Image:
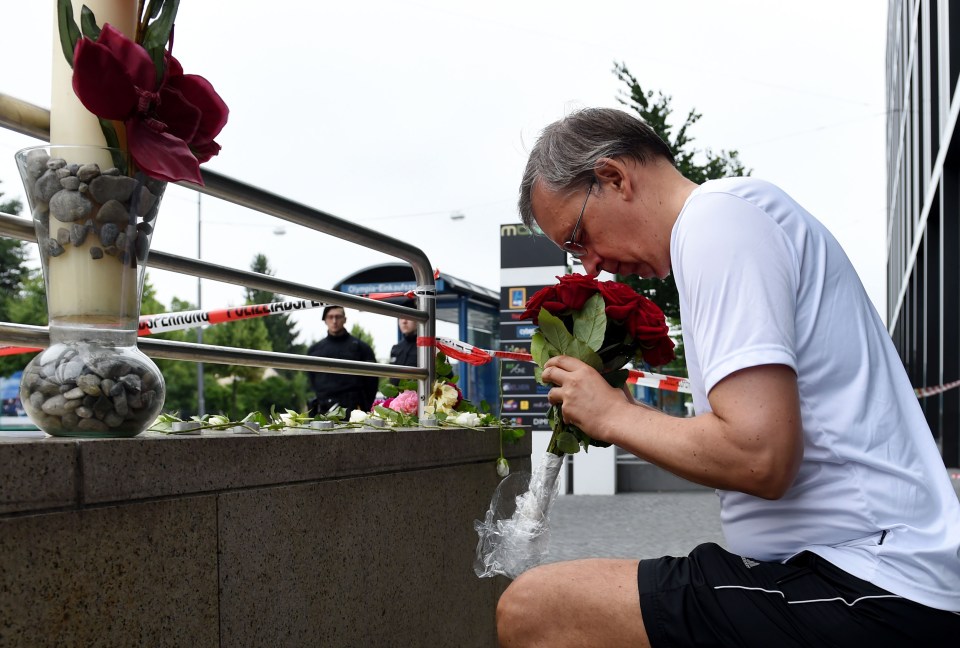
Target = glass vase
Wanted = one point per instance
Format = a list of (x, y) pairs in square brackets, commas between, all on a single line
[(94, 220)]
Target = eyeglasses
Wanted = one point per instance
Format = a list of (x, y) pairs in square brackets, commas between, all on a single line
[(571, 245)]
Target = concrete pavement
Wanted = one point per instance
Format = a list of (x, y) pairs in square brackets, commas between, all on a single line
[(633, 525), (640, 525)]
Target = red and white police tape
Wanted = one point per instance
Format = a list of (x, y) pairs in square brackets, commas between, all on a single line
[(164, 323), (923, 392), (182, 320), (476, 356)]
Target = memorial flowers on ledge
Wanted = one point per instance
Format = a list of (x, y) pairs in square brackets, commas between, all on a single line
[(447, 405), (165, 119), (607, 325)]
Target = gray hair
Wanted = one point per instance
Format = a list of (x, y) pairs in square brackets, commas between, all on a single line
[(565, 156)]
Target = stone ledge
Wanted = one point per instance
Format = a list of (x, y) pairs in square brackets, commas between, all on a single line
[(53, 473)]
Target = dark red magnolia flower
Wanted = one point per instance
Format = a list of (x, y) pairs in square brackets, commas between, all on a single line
[(171, 125), (643, 319)]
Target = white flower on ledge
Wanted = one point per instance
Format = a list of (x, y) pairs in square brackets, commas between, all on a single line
[(469, 419), (358, 416)]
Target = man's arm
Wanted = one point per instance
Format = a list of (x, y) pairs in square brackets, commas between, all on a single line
[(751, 442)]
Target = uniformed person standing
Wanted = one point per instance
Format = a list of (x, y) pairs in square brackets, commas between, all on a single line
[(346, 390), (404, 352)]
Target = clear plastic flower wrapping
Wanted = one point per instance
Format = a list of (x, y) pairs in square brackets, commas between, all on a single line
[(515, 533)]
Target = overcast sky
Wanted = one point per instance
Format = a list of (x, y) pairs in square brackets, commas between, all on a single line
[(397, 114)]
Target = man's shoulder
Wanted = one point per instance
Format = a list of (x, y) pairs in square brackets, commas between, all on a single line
[(743, 190)]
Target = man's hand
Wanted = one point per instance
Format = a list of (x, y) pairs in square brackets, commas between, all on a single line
[(586, 397)]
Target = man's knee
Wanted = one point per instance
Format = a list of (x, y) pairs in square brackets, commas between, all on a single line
[(517, 610)]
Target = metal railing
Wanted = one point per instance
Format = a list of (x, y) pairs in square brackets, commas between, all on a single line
[(34, 121)]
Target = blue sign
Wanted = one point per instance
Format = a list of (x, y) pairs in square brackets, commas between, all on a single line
[(384, 287)]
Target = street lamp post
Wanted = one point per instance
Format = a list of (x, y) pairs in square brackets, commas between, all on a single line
[(201, 404)]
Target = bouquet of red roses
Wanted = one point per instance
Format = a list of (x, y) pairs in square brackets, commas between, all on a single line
[(606, 324)]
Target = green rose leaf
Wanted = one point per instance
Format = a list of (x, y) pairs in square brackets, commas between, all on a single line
[(445, 371), (555, 332), (568, 443), (389, 391), (511, 435), (581, 351), (590, 322), (541, 350), (384, 412)]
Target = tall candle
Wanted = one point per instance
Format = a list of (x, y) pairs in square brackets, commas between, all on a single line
[(70, 122), (81, 292)]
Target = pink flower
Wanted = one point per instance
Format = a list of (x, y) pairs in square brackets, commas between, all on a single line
[(171, 123), (406, 402)]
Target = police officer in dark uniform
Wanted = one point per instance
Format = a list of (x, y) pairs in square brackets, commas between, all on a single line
[(346, 390), (405, 351)]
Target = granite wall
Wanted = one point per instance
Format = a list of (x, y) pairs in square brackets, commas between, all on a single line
[(294, 539)]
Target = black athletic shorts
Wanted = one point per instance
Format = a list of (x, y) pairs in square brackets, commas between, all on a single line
[(715, 598)]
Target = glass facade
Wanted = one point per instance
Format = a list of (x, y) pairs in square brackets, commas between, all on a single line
[(923, 204)]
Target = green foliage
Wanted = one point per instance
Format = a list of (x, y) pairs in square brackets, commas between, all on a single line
[(23, 298), (361, 333), (13, 270), (280, 327), (240, 334), (695, 164), (179, 376), (238, 396), (26, 306), (227, 388)]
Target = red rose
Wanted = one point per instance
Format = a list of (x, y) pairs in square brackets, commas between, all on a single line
[(647, 322), (660, 353), (570, 294), (643, 320), (620, 300), (574, 290), (535, 303)]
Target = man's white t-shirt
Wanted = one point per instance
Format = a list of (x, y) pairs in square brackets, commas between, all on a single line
[(761, 281)]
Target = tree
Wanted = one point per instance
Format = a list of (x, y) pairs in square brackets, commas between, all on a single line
[(179, 376), (22, 296), (27, 306), (361, 333), (13, 257), (280, 328), (242, 334), (695, 164)]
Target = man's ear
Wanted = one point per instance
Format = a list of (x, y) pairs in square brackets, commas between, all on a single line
[(614, 174)]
